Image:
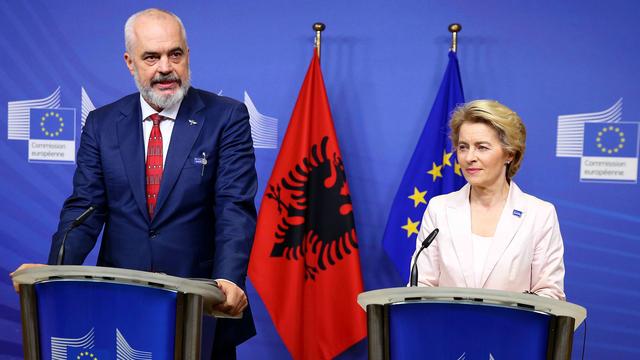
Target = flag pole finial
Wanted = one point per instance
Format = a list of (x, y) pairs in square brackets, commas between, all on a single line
[(454, 29), (318, 28)]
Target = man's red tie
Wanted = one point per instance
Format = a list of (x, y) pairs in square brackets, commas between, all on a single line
[(154, 164)]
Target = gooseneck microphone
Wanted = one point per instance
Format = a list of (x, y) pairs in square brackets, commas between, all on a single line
[(425, 244), (76, 222)]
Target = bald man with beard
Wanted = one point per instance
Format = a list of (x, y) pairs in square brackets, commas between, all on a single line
[(171, 172)]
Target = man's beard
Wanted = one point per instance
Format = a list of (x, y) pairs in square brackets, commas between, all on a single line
[(159, 100)]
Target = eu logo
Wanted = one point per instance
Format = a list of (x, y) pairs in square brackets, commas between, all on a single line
[(611, 139), (52, 124), (610, 152), (52, 134)]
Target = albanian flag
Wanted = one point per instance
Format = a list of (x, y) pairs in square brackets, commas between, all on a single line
[(305, 262)]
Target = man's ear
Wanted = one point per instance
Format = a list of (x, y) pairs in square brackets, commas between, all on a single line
[(129, 61)]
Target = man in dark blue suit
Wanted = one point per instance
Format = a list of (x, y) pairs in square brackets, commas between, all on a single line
[(200, 220)]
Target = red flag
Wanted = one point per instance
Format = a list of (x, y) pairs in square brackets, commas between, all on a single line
[(305, 261)]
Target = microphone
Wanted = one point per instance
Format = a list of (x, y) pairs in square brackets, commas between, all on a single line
[(425, 244), (76, 222)]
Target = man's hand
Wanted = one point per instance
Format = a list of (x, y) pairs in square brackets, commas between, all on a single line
[(236, 300), (22, 267)]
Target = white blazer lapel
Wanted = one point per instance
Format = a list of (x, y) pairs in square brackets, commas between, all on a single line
[(512, 216), (459, 221)]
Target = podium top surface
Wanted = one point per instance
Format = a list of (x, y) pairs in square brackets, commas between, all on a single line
[(206, 288), (475, 296)]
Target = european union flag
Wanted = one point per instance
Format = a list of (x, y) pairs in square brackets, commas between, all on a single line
[(610, 140), (433, 170), (52, 124)]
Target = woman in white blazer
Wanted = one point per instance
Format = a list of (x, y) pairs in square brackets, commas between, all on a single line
[(492, 235)]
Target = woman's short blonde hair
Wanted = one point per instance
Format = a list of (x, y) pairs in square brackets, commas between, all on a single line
[(504, 121)]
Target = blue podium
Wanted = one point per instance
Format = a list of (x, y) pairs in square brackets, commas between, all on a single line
[(94, 313), (465, 324)]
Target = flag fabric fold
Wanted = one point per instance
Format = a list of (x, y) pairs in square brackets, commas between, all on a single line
[(432, 170), (305, 261)]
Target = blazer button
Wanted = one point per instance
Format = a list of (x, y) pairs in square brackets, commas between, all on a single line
[(152, 233)]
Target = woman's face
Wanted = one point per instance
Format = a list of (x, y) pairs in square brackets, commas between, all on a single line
[(481, 156)]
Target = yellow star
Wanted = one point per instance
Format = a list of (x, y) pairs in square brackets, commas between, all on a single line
[(446, 158), (456, 169), (418, 197), (435, 171), (411, 227)]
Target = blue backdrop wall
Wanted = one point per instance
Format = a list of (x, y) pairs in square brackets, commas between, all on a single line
[(557, 64)]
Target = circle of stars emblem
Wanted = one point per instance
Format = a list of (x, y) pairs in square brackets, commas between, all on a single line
[(617, 134), (86, 355), (51, 118), (419, 196)]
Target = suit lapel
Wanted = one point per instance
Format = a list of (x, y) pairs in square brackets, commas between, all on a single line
[(131, 145), (512, 216), (459, 220), (183, 137)]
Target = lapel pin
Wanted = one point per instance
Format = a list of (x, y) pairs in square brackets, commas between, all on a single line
[(201, 161), (193, 122), (517, 213)]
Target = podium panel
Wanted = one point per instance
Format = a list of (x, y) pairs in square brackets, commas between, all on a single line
[(91, 313), (94, 319), (466, 331), (463, 324)]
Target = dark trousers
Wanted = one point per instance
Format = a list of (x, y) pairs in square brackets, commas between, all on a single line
[(223, 353)]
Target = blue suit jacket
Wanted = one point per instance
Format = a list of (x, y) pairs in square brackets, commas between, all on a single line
[(204, 222)]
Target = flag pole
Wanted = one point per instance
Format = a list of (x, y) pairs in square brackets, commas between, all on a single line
[(318, 28), (454, 29)]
